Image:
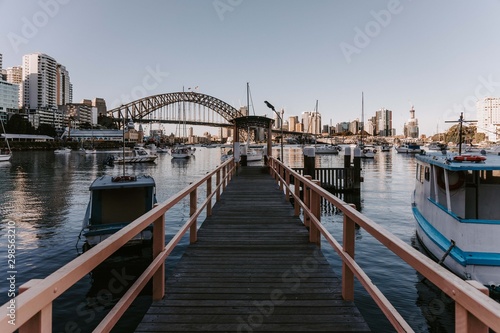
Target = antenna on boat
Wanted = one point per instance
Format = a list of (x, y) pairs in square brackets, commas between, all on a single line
[(460, 121)]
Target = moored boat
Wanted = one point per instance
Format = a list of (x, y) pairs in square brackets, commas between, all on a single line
[(328, 149), (114, 203), (139, 155), (5, 154), (62, 150), (455, 204), (409, 148)]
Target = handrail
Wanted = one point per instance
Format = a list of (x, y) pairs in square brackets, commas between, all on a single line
[(475, 311), (33, 307)]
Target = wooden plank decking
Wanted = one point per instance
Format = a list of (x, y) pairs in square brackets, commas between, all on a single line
[(252, 270)]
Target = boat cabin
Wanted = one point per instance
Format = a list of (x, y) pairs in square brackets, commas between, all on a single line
[(465, 188), (115, 202)]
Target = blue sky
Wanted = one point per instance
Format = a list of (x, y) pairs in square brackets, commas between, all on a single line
[(438, 56)]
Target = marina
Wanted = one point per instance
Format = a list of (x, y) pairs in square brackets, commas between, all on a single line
[(412, 295)]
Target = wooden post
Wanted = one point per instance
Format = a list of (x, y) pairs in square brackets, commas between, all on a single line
[(217, 183), (357, 168), (307, 201), (296, 207), (314, 234), (223, 179), (209, 191), (465, 322), (287, 180), (280, 168), (348, 238), (347, 157), (309, 161), (42, 321), (158, 246), (193, 197)]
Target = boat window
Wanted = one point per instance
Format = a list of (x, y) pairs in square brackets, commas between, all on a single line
[(427, 173), (490, 176), (417, 171)]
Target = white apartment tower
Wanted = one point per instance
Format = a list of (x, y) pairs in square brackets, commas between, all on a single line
[(45, 85), (312, 122), (488, 117)]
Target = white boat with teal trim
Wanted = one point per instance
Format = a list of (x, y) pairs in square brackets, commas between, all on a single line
[(456, 207)]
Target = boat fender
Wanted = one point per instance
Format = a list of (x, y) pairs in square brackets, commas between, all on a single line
[(456, 179)]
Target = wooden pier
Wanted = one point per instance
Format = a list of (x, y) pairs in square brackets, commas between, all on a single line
[(253, 269)]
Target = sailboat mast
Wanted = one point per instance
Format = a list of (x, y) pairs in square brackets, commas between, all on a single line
[(362, 116)]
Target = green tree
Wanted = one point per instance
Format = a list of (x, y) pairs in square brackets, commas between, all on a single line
[(17, 124), (46, 129)]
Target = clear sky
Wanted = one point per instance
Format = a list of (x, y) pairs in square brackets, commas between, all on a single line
[(440, 56)]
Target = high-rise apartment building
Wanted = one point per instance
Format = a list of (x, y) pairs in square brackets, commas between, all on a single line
[(312, 122), (383, 122), (15, 76), (45, 86), (64, 86), (488, 117)]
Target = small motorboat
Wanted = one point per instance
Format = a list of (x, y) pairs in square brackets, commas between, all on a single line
[(114, 203), (139, 155)]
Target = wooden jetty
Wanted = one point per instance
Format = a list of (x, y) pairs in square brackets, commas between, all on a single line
[(253, 269), (252, 266)]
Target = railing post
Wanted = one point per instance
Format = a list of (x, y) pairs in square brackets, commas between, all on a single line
[(217, 183), (209, 192), (307, 200), (348, 239), (193, 197), (287, 180), (224, 179), (296, 187), (315, 198), (280, 168), (465, 322), (42, 321), (158, 246)]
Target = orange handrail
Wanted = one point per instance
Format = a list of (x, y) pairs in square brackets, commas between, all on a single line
[(475, 311)]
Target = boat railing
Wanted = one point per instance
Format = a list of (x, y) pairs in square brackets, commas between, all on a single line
[(475, 311), (31, 310)]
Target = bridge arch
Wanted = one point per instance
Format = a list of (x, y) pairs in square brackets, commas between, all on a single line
[(140, 108)]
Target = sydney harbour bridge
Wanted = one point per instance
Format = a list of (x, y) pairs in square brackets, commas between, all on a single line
[(189, 108)]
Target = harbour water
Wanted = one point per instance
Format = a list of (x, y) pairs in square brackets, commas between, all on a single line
[(44, 196)]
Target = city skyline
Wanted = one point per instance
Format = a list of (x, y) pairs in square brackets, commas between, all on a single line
[(293, 53)]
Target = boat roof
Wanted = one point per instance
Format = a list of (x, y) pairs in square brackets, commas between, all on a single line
[(113, 182), (446, 161)]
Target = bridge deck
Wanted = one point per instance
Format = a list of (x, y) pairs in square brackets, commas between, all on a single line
[(252, 270)]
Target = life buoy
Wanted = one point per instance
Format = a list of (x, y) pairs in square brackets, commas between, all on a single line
[(455, 178), (469, 158)]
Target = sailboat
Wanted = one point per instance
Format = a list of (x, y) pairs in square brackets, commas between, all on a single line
[(366, 152), (5, 154), (181, 151)]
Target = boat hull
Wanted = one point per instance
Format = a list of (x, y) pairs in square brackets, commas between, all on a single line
[(457, 218)]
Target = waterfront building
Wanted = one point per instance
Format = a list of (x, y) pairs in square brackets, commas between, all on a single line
[(411, 126), (312, 122), (64, 86), (355, 126), (383, 122), (292, 123), (100, 104), (9, 99), (77, 114), (488, 117), (45, 85)]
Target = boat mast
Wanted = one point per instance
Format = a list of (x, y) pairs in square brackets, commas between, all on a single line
[(362, 117), (5, 133)]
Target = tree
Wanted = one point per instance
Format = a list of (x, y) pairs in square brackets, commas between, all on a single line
[(17, 124), (46, 129)]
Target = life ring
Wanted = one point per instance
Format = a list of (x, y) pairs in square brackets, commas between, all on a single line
[(469, 158), (455, 178)]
